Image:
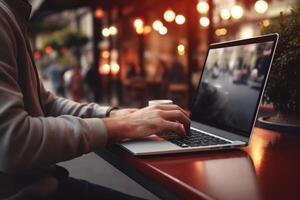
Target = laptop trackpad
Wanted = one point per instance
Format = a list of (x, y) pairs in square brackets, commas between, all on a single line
[(151, 143)]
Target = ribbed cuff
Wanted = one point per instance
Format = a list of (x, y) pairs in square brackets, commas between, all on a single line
[(98, 133), (109, 110)]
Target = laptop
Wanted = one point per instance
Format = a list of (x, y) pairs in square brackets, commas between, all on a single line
[(225, 103)]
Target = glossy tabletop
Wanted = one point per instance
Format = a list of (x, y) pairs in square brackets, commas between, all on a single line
[(269, 168)]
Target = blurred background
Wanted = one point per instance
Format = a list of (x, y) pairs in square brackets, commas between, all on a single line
[(124, 52)]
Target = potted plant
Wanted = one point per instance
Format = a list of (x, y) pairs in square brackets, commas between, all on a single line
[(283, 88)]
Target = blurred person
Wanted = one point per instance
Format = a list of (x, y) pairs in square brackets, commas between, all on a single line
[(77, 90), (161, 71), (134, 72), (55, 74), (176, 73), (92, 78), (39, 129)]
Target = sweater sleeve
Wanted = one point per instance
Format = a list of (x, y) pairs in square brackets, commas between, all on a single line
[(56, 106), (28, 142)]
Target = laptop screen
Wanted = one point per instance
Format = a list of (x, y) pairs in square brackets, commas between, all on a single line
[(231, 85)]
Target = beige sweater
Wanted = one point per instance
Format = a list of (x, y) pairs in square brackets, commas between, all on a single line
[(37, 128)]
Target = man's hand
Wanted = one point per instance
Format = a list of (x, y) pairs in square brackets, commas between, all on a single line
[(122, 112), (147, 121)]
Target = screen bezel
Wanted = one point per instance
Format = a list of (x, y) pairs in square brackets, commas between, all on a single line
[(260, 39)]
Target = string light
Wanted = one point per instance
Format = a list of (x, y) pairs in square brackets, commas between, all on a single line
[(180, 19), (225, 14), (204, 21), (163, 30), (113, 30), (139, 30), (106, 32), (99, 13), (237, 12), (221, 31), (115, 68), (181, 49), (49, 50), (266, 23), (105, 54), (202, 7), (157, 24), (261, 6), (169, 15), (104, 69), (138, 23)]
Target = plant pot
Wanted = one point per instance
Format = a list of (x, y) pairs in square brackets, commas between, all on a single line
[(280, 124)]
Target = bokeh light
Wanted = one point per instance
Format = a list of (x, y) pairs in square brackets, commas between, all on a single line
[(139, 30), (99, 13), (104, 69), (113, 30), (202, 7), (221, 31), (225, 14), (105, 32), (115, 68), (180, 19), (147, 29), (204, 21), (157, 24), (163, 30), (138, 23), (181, 49), (261, 6), (169, 15), (237, 12)]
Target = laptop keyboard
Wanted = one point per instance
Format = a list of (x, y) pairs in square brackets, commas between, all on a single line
[(194, 139)]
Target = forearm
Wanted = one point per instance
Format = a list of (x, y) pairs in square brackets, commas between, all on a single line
[(28, 143)]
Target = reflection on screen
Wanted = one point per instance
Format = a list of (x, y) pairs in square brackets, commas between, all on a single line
[(230, 86)]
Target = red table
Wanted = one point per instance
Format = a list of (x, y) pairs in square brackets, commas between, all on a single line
[(269, 168)]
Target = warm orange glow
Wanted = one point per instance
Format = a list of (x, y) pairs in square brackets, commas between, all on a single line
[(204, 21), (138, 23), (115, 68), (261, 6), (48, 50), (163, 30), (113, 30), (105, 32), (37, 55), (157, 24), (225, 14), (180, 19), (266, 23), (104, 69), (105, 54), (147, 29), (202, 7), (169, 15), (221, 31), (139, 30), (181, 49), (237, 12), (99, 13)]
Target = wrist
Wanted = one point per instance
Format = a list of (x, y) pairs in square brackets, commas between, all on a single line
[(116, 127), (111, 111)]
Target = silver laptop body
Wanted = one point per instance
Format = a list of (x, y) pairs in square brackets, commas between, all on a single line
[(225, 104)]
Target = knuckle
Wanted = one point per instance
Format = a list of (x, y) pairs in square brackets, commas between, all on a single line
[(178, 112), (177, 126)]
